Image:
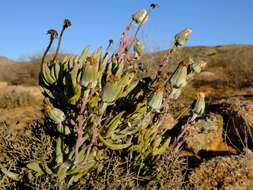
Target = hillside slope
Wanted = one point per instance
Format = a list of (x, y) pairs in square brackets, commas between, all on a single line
[(229, 71)]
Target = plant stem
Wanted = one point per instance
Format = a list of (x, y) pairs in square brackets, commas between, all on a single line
[(46, 51), (95, 130), (164, 61), (59, 43), (79, 127), (180, 138), (143, 119)]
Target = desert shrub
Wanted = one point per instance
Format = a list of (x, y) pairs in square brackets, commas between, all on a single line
[(16, 98), (106, 123), (119, 174)]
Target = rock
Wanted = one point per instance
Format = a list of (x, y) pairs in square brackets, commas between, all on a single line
[(169, 122), (206, 134), (238, 118), (224, 173)]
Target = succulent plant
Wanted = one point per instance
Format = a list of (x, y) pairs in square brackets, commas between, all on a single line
[(96, 106)]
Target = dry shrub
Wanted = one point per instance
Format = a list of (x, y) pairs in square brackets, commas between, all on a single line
[(232, 172), (17, 150), (168, 173), (16, 98)]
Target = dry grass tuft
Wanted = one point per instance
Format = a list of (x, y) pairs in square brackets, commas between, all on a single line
[(168, 173)]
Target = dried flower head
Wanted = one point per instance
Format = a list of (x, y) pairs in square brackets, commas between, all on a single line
[(161, 87), (154, 5), (90, 60), (112, 78), (66, 23), (53, 33), (111, 41)]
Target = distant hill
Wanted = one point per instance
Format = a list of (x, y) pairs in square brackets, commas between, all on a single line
[(21, 72), (229, 70), (5, 60)]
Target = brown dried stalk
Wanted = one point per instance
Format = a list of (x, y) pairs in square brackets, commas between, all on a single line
[(66, 24)]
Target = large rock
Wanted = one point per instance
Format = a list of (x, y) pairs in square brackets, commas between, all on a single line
[(238, 118), (206, 134)]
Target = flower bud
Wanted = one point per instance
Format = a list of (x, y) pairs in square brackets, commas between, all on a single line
[(140, 17), (156, 100), (179, 77), (175, 93), (197, 67), (138, 49), (198, 106), (89, 73), (55, 114), (182, 37), (111, 90)]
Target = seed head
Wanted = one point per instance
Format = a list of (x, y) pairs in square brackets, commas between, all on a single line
[(154, 5), (66, 23), (53, 33), (110, 41)]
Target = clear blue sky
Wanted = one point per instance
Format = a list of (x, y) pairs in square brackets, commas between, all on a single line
[(24, 23)]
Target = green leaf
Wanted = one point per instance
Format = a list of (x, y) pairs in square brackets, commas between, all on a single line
[(35, 167), (114, 146)]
